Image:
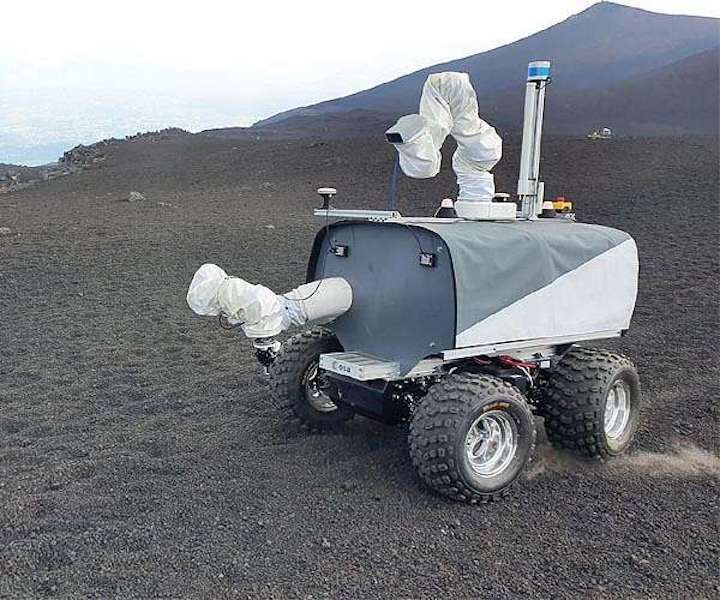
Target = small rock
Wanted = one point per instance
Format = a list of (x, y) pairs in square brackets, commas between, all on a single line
[(134, 197), (348, 486), (5, 231), (683, 427), (638, 561)]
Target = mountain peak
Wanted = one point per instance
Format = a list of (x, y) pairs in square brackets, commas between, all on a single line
[(604, 45), (604, 6), (615, 9)]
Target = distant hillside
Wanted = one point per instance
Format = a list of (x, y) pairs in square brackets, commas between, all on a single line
[(676, 99), (673, 100), (601, 57)]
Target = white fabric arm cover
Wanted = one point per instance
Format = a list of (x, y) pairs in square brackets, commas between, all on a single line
[(419, 156), (318, 302), (449, 106), (258, 310)]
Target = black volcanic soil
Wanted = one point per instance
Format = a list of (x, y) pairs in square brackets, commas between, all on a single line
[(139, 459)]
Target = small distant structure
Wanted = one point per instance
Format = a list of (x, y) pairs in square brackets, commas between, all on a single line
[(8, 182), (601, 134)]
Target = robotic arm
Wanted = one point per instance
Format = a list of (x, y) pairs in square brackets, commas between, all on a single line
[(260, 312), (448, 106)]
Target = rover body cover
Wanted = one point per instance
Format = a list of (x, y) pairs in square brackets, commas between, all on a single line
[(489, 282), (538, 279)]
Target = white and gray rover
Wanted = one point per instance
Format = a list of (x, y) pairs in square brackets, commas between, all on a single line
[(463, 324)]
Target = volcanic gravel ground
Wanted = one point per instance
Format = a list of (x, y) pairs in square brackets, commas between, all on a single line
[(138, 457)]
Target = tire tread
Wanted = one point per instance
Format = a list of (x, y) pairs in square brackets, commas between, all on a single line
[(573, 402), (283, 378), (433, 430)]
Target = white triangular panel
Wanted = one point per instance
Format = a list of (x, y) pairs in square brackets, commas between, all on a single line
[(599, 295)]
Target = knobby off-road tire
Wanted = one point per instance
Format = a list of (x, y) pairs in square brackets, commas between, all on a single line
[(577, 394), (447, 430), (295, 382)]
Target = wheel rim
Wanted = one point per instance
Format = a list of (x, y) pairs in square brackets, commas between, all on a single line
[(617, 410), (491, 443), (317, 390)]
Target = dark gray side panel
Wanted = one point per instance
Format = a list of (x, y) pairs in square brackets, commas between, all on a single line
[(401, 311), (496, 263)]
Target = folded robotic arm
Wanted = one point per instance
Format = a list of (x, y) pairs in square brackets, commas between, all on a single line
[(448, 106), (260, 312)]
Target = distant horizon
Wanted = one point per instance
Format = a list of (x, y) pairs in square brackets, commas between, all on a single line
[(81, 82)]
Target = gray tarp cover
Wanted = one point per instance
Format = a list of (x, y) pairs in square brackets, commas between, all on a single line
[(498, 263)]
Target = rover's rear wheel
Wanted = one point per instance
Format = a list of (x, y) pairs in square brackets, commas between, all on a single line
[(471, 436), (296, 381), (591, 403)]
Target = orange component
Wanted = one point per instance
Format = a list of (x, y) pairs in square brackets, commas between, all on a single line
[(562, 205)]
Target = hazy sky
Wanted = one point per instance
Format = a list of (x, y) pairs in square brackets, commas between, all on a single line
[(83, 70), (266, 55)]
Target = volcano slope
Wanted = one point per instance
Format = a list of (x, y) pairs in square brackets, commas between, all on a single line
[(139, 459)]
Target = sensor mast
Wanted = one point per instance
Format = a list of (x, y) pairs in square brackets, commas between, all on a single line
[(530, 188)]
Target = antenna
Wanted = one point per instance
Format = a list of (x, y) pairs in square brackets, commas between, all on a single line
[(327, 194), (530, 188)]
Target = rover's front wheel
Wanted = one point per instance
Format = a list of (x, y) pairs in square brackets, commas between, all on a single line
[(471, 437), (296, 381)]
